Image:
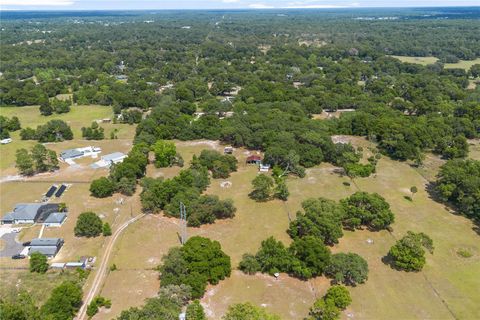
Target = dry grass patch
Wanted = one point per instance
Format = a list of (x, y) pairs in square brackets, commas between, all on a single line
[(462, 64), (418, 60), (287, 297), (127, 288)]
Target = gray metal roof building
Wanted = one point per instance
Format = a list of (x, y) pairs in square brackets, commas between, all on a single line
[(23, 212), (116, 156), (43, 242), (55, 218), (46, 246), (49, 251), (30, 213), (70, 154)]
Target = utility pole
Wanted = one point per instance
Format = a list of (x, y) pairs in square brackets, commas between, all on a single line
[(183, 223)]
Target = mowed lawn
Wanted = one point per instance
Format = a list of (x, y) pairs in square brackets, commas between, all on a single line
[(78, 117), (447, 288), (462, 64)]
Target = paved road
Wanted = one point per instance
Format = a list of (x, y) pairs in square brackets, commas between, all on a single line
[(12, 247), (101, 271)]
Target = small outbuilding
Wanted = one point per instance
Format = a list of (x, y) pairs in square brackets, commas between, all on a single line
[(254, 159), (6, 141), (55, 219), (264, 167), (71, 154), (115, 157)]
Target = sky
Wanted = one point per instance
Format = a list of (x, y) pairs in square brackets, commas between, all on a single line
[(219, 4)]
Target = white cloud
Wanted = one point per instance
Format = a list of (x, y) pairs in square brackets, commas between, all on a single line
[(260, 6), (230, 1), (37, 2), (314, 6)]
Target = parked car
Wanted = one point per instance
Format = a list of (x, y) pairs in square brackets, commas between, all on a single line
[(26, 244), (18, 256)]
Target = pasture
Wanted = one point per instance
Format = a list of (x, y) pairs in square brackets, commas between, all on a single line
[(462, 64), (445, 289), (78, 117), (418, 60)]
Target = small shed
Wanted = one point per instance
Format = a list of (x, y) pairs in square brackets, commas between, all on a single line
[(57, 265), (254, 159), (264, 167), (74, 265), (6, 141)]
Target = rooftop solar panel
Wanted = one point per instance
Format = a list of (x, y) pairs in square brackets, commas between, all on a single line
[(51, 191), (60, 191)]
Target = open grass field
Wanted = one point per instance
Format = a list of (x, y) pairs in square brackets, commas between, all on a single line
[(446, 289), (474, 151), (462, 64), (418, 60), (78, 117)]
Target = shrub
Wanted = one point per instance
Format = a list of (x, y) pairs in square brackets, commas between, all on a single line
[(249, 264), (97, 303), (195, 311), (106, 230), (339, 295), (38, 263), (408, 253)]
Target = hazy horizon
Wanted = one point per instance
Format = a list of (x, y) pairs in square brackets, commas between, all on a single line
[(141, 5)]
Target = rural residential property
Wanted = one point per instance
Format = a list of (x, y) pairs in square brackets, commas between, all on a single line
[(240, 160)]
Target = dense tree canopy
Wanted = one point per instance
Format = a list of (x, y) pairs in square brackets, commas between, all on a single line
[(347, 268), (64, 301), (458, 183), (366, 209), (88, 225), (198, 262), (322, 218)]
